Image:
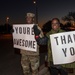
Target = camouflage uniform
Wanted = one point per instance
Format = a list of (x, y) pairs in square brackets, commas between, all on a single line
[(30, 60)]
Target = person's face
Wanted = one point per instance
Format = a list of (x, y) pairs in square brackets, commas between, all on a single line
[(29, 20), (55, 25)]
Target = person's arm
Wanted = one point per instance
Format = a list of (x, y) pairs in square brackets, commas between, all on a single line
[(40, 41)]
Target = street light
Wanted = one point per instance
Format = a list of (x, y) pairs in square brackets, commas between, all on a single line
[(34, 2), (36, 10)]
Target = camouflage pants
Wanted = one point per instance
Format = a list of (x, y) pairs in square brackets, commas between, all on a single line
[(30, 64)]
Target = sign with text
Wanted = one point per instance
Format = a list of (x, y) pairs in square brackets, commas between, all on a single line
[(23, 37), (63, 47)]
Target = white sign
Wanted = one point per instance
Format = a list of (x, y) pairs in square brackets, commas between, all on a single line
[(23, 37), (63, 47)]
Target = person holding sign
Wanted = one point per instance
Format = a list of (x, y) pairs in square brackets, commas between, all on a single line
[(30, 59), (54, 69)]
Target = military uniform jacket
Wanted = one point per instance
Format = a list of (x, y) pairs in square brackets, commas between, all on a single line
[(71, 65), (32, 52)]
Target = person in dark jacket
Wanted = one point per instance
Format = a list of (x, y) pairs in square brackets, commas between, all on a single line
[(55, 24)]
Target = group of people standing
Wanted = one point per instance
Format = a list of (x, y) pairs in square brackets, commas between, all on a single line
[(30, 60)]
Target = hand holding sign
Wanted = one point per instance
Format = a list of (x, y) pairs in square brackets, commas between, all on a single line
[(36, 30), (12, 30)]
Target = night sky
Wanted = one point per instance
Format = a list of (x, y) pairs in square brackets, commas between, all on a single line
[(47, 9)]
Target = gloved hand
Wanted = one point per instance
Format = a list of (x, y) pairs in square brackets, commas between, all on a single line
[(36, 30), (12, 30)]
